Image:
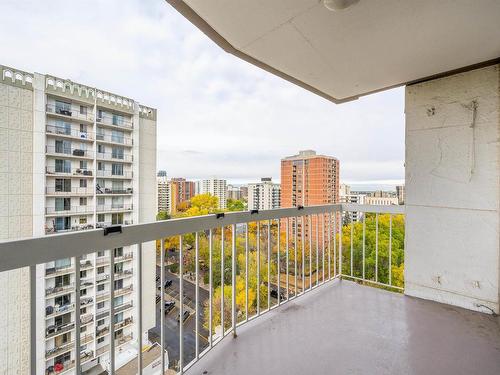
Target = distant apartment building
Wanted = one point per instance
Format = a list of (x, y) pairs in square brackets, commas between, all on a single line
[(400, 192), (344, 190), (215, 187), (233, 192), (384, 201), (244, 192), (76, 158), (309, 179), (353, 216), (264, 195), (181, 191), (164, 192)]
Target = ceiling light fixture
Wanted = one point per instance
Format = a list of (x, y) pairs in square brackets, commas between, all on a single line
[(337, 5)]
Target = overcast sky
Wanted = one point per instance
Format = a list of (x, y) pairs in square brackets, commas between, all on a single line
[(217, 115)]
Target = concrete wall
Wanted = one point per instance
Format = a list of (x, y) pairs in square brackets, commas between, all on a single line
[(16, 142), (452, 189)]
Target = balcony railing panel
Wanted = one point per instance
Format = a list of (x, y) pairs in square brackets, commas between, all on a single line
[(259, 259)]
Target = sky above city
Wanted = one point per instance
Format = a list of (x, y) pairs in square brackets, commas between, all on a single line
[(218, 116)]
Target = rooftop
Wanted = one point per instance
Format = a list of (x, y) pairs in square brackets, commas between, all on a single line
[(346, 328)]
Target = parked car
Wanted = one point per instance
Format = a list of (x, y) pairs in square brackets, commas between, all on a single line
[(169, 305), (167, 284), (274, 294), (184, 317)]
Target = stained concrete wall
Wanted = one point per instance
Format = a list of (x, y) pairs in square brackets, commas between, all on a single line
[(452, 189)]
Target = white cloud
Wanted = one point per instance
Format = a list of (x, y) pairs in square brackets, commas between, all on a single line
[(238, 120)]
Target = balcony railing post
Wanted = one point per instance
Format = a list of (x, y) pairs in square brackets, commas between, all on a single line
[(376, 247), (162, 303), (295, 257), (210, 287), (77, 316), (233, 278), (197, 295), (222, 274), (33, 315), (340, 246), (112, 310), (352, 247), (390, 249), (269, 264), (364, 244), (287, 227), (139, 307), (258, 268), (246, 272), (181, 308), (278, 278)]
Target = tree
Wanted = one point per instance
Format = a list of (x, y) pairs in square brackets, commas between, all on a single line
[(202, 204), (162, 215), (235, 205)]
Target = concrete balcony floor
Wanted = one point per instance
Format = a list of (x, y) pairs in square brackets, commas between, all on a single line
[(346, 328)]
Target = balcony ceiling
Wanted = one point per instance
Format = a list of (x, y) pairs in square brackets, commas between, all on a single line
[(370, 46)]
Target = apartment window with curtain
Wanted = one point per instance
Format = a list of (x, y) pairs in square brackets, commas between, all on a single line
[(117, 202), (117, 218), (63, 127), (83, 164), (117, 186), (118, 301), (118, 318), (63, 107), (63, 166), (117, 136), (63, 263), (100, 218), (61, 281), (99, 134), (118, 267), (118, 119), (117, 152), (63, 147), (117, 169), (118, 252)]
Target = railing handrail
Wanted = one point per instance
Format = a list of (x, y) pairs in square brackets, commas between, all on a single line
[(31, 251)]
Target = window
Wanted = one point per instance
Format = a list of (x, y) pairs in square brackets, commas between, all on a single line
[(118, 318), (117, 202), (83, 110), (83, 292), (118, 252), (63, 185), (100, 253), (83, 183), (100, 166), (101, 149), (63, 358), (118, 301), (100, 134), (100, 218), (117, 152), (63, 127), (63, 166), (117, 136), (62, 319), (100, 340), (83, 201), (100, 322), (100, 287), (62, 204), (117, 169), (63, 107), (61, 281), (101, 201), (100, 305), (63, 263), (117, 186), (63, 147), (83, 329), (82, 220), (83, 164), (63, 300), (118, 284), (117, 119), (119, 333), (100, 270), (117, 218), (83, 274), (119, 268)]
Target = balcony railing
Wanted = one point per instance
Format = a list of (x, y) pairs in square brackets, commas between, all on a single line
[(114, 139), (69, 172), (69, 132), (123, 157), (285, 252), (52, 190), (108, 119), (69, 151), (68, 210), (110, 208), (110, 173), (102, 190), (70, 112)]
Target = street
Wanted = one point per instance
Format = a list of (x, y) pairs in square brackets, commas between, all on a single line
[(171, 324)]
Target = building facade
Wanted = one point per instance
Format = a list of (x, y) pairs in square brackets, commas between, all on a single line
[(76, 158), (181, 191), (264, 195), (233, 192), (215, 187), (164, 193), (384, 201), (400, 192), (308, 179)]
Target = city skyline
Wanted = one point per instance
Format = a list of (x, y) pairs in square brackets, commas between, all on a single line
[(203, 93)]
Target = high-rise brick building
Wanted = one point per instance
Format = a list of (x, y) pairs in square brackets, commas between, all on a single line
[(308, 179)]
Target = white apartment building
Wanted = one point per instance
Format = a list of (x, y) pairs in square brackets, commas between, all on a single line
[(164, 193), (353, 216), (215, 187), (73, 157), (264, 195), (384, 201)]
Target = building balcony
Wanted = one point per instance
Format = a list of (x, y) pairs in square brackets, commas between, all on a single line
[(110, 121), (119, 157), (113, 139), (104, 224), (53, 331), (109, 191), (57, 290), (319, 279), (54, 352), (115, 208), (68, 191), (60, 368), (68, 132), (69, 113), (124, 175), (52, 229), (69, 152), (68, 211), (71, 172)]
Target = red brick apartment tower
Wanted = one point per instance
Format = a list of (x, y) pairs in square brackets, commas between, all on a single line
[(308, 179), (184, 190)]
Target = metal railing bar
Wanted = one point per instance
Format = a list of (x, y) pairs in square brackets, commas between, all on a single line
[(269, 264), (210, 292), (222, 274), (246, 272), (233, 279), (287, 228), (295, 258), (334, 244), (278, 279), (181, 308), (390, 249), (340, 246), (33, 315), (317, 250), (162, 301), (352, 247), (329, 246), (376, 247), (112, 311), (196, 298), (373, 282), (310, 251), (78, 368), (258, 268), (323, 248), (364, 245), (139, 312)]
